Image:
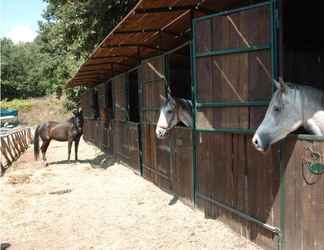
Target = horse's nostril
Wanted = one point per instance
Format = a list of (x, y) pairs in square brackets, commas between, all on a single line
[(255, 141)]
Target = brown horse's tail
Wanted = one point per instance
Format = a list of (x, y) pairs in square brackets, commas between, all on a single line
[(36, 143)]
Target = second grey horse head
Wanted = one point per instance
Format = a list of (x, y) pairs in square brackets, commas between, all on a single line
[(291, 107), (173, 111)]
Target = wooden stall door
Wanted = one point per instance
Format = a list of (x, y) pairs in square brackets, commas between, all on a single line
[(156, 153), (156, 158), (134, 150), (152, 82), (233, 61), (181, 169), (304, 196), (119, 96), (102, 90), (121, 140), (87, 102)]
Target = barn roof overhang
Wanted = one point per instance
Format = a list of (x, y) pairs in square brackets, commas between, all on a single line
[(150, 28)]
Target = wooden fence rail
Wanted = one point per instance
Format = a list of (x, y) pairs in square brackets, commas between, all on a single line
[(12, 145)]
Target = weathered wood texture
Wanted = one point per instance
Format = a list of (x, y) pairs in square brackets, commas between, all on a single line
[(98, 133), (168, 163), (230, 171), (119, 97), (88, 103), (153, 77), (12, 145), (126, 143), (233, 77), (156, 158), (304, 197), (181, 163)]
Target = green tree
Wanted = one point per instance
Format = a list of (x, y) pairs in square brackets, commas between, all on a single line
[(19, 76), (68, 34)]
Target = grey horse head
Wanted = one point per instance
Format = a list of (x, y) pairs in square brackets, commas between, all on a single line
[(284, 115), (173, 111)]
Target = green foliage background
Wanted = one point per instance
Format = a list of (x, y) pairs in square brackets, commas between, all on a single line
[(69, 32)]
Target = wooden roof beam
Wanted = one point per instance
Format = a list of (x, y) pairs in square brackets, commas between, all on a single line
[(164, 9), (136, 31), (92, 74), (175, 8), (107, 63), (115, 56), (126, 32), (125, 45)]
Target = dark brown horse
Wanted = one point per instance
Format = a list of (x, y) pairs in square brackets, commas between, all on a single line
[(70, 130)]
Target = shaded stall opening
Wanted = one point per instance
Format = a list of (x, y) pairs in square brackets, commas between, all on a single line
[(303, 50), (95, 104), (109, 100), (133, 99), (179, 73), (303, 44)]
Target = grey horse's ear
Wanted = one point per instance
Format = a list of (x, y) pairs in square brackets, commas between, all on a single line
[(162, 98), (171, 99), (281, 85)]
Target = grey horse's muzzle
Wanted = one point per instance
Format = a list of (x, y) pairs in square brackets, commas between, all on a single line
[(260, 142), (161, 133)]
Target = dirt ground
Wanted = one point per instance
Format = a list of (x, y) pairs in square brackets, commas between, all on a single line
[(98, 204)]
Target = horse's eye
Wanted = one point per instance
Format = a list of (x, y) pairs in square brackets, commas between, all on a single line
[(169, 111), (276, 109)]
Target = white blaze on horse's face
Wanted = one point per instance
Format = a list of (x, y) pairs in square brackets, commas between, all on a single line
[(282, 117), (168, 118)]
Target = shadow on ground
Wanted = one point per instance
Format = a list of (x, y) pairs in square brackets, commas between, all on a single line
[(4, 246), (100, 161), (174, 200)]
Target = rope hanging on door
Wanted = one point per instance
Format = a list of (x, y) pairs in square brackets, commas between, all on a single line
[(314, 165)]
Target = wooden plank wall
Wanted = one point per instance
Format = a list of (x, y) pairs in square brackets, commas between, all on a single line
[(156, 153), (168, 163), (236, 77), (119, 97), (156, 158), (104, 102), (98, 133), (120, 140), (181, 164), (133, 146), (152, 86), (304, 197), (87, 103), (126, 144), (229, 169)]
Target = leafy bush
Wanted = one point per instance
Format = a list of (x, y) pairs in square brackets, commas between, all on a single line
[(19, 104)]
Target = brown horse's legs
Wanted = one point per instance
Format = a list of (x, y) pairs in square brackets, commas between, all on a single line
[(44, 147), (76, 146), (69, 148)]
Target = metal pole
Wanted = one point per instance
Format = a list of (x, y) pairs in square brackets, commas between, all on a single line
[(194, 111)]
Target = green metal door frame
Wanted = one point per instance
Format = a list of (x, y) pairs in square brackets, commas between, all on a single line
[(198, 104)]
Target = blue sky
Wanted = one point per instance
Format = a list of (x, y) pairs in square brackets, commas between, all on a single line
[(19, 18)]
